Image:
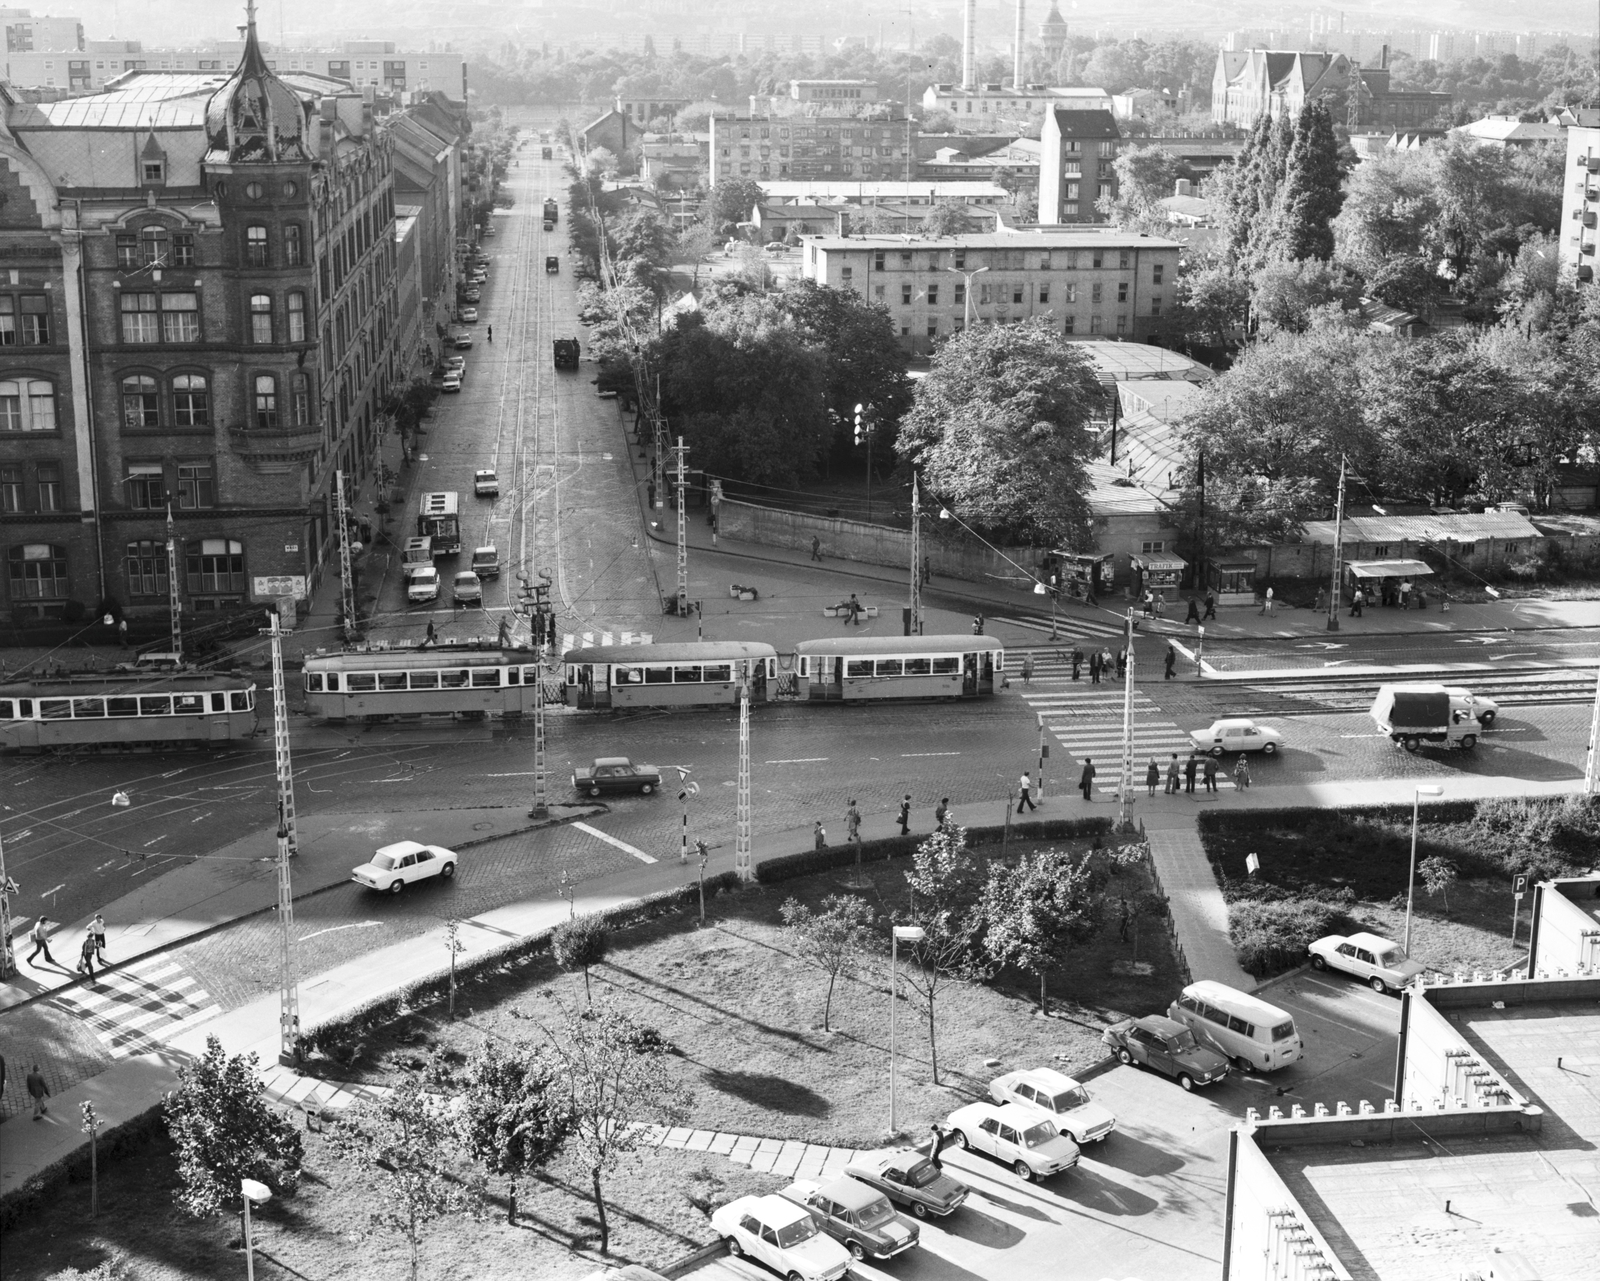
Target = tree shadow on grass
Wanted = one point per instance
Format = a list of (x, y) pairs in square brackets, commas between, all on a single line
[(644, 981), (773, 1093)]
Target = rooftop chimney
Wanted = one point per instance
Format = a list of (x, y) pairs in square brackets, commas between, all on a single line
[(969, 24), (1016, 50)]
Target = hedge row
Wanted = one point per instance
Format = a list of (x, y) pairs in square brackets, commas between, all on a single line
[(113, 1142)]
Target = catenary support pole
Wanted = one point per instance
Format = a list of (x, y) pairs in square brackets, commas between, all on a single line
[(1125, 786), (174, 600), (742, 864), (288, 847), (347, 587)]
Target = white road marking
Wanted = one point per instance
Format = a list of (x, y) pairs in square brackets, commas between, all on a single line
[(906, 755), (798, 760), (527, 773), (353, 925), (612, 840)]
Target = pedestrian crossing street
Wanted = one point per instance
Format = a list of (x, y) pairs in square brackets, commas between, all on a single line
[(133, 1009)]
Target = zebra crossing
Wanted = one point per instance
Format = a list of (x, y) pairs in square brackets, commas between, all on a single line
[(1070, 627), (588, 640), (133, 1009)]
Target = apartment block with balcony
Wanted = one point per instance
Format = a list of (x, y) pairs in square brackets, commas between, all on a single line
[(1077, 158), (1089, 284), (791, 149), (1580, 196)]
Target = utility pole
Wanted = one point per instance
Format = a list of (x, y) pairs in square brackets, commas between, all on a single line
[(288, 847), (542, 619), (347, 589), (174, 601), (1044, 755), (916, 558), (1591, 768), (1125, 788), (683, 530), (742, 865), (1338, 552), (659, 425), (8, 955)]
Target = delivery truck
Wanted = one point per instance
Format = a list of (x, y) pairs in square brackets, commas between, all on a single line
[(1412, 715), (566, 353)]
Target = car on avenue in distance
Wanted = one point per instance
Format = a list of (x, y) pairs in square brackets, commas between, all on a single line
[(452, 380), (485, 483), (1059, 1097), (858, 1217), (456, 362), (1376, 961), (1236, 734), (422, 584), (781, 1234), (1016, 1136), (486, 561), (466, 589), (1165, 1045), (393, 867), (616, 774), (469, 315), (909, 1178), (462, 340)]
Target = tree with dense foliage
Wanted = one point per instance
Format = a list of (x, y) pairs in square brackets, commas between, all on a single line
[(408, 405), (617, 1079), (1037, 910), (580, 943), (1212, 302), (832, 940), (731, 202), (1311, 195), (224, 1130), (999, 430), (1145, 177), (1290, 294), (510, 1115), (947, 218)]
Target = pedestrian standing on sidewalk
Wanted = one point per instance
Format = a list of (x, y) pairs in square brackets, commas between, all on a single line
[(853, 611), (1122, 662), (1172, 661), (816, 548), (86, 956), (97, 927), (40, 934), (1152, 776), (491, 333), (977, 625), (819, 838), (39, 1090), (941, 813), (1027, 669), (1172, 775), (1094, 668), (1211, 605), (1077, 661), (1149, 604), (122, 632), (852, 822), (431, 638), (1189, 767), (1266, 603), (927, 570), (1322, 600), (1025, 796), (1357, 603), (1211, 773), (1193, 616), (1086, 779), (905, 815), (1241, 774)]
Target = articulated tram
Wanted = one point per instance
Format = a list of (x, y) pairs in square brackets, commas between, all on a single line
[(128, 712)]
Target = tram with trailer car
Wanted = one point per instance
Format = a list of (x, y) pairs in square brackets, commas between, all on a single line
[(377, 684), (129, 712), (861, 668), (670, 674)]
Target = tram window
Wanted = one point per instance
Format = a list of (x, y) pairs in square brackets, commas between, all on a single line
[(511, 675), (55, 709), (188, 704), (918, 666), (720, 673), (88, 707), (890, 667), (658, 674), (805, 665), (8, 710), (627, 676), (122, 707), (858, 667), (240, 699), (155, 705), (424, 680), (333, 682), (947, 666), (772, 669), (391, 680), (219, 701), (686, 674), (453, 680), (313, 682), (572, 673), (486, 678), (361, 682), (530, 675)]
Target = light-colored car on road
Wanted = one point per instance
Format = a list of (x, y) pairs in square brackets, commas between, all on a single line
[(452, 380), (486, 561), (393, 867), (485, 483), (1016, 1136), (1236, 734), (461, 340), (1059, 1097), (782, 1235), (1376, 961), (422, 583), (456, 362), (469, 315), (467, 589), (856, 1216)]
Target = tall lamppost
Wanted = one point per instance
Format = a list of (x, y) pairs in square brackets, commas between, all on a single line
[(252, 1193), (968, 275), (1421, 790), (907, 934)]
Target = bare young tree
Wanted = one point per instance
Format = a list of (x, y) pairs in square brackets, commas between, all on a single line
[(830, 940), (1438, 875)]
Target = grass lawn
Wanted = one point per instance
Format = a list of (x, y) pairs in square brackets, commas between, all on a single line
[(745, 1016)]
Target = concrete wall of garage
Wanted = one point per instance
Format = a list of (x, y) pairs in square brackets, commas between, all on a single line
[(1258, 1200)]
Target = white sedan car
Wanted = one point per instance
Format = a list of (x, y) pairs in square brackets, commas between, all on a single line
[(1376, 961), (1236, 734), (393, 867), (1059, 1097), (782, 1235), (485, 483), (1016, 1136), (422, 584)]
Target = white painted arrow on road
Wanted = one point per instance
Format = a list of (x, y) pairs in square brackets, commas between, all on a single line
[(1479, 640), (1323, 645)]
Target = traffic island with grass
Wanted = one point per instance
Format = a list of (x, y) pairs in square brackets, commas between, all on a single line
[(1340, 872)]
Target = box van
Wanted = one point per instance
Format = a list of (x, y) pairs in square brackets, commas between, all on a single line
[(418, 551), (1245, 1028)]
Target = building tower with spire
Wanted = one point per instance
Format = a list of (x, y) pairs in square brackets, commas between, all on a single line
[(1053, 34)]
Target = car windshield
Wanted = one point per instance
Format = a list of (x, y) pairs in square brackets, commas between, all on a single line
[(921, 1174), (383, 862), (794, 1233), (876, 1214), (1036, 1136), (1178, 1042), (1069, 1100)]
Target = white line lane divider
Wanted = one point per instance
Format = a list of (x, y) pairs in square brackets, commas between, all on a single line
[(798, 760), (612, 840)]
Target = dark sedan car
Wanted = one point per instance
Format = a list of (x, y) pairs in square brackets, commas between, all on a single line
[(858, 1217), (616, 774), (1167, 1046), (910, 1179)]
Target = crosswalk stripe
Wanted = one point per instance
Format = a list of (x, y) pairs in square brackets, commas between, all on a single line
[(129, 1010)]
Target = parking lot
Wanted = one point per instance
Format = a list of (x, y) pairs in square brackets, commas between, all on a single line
[(1148, 1202)]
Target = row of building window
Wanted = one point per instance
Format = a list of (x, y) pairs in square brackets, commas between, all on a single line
[(24, 320), (1016, 292), (47, 487), (1013, 260), (154, 246), (184, 402), (257, 251), (174, 317), (1069, 325), (213, 567), (147, 489), (825, 132)]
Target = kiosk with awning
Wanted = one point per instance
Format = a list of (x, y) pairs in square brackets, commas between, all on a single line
[(1373, 575), (1233, 581), (1084, 573), (1159, 573)]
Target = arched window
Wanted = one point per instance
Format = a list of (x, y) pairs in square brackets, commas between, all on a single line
[(293, 246), (141, 407), (261, 318), (266, 402), (297, 316), (147, 568), (153, 245), (255, 245), (38, 571), (191, 401), (215, 566)]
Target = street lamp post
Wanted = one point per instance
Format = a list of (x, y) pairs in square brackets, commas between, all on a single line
[(968, 275), (908, 934), (1421, 790), (252, 1193)]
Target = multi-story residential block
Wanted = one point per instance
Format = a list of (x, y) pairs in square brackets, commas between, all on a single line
[(834, 97), (1090, 284), (1252, 81), (984, 106), (799, 149), (1580, 196), (26, 33), (428, 140), (200, 313), (1077, 154)]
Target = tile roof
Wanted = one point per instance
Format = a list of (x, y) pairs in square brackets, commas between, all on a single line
[(1466, 527)]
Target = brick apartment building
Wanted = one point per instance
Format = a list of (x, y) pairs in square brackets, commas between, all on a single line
[(791, 148), (1077, 155)]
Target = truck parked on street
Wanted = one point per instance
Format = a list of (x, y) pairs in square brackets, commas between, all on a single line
[(1412, 715), (566, 350)]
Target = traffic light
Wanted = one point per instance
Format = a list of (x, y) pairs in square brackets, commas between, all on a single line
[(858, 424)]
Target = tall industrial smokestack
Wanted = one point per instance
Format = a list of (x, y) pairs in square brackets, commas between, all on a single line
[(1016, 51), (969, 31)]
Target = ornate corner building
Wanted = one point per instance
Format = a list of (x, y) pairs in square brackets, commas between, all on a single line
[(197, 310)]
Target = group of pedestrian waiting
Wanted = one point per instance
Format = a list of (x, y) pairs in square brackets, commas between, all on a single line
[(1102, 663), (1182, 776), (852, 820), (90, 950)]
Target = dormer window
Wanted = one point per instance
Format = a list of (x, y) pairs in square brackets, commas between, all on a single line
[(154, 171)]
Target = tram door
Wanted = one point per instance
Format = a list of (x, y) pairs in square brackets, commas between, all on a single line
[(758, 681), (987, 684), (969, 673)]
